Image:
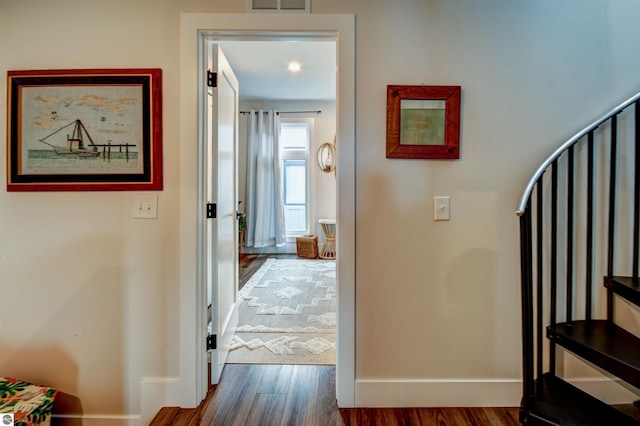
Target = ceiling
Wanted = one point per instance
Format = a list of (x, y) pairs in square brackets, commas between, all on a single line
[(261, 69)]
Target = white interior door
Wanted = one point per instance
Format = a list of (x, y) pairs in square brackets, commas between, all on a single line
[(221, 182)]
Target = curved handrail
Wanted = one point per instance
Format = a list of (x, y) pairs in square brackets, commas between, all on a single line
[(524, 199)]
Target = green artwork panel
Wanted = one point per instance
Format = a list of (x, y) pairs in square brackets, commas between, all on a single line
[(422, 122)]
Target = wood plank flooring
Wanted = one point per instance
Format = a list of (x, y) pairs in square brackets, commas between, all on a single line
[(304, 395)]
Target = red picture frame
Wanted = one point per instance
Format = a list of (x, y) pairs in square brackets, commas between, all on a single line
[(84, 130), (428, 126)]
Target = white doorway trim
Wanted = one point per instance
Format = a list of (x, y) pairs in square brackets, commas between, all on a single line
[(193, 27)]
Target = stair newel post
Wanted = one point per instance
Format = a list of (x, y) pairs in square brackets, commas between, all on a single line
[(636, 194), (539, 277), (527, 307), (569, 233), (612, 210), (553, 283), (589, 231)]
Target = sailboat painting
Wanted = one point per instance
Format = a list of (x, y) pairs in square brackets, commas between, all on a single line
[(84, 130), (65, 126)]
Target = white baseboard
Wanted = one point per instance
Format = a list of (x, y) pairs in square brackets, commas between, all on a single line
[(158, 393), (154, 394), (438, 393), (471, 393)]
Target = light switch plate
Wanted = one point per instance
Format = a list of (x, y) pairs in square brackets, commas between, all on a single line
[(441, 208), (145, 207)]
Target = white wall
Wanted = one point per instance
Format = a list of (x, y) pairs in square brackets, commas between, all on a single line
[(90, 296), (323, 185), (532, 74)]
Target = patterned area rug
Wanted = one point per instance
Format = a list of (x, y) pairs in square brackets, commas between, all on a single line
[(287, 314)]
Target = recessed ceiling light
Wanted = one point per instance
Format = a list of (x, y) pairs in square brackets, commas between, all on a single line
[(294, 66)]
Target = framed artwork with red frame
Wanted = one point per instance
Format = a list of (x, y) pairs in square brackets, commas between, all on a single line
[(423, 122), (84, 130)]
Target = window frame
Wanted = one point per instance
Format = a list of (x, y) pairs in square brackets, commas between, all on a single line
[(299, 154)]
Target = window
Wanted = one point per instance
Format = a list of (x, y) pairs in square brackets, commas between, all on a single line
[(295, 139)]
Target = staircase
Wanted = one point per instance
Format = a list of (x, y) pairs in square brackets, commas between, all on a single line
[(579, 221)]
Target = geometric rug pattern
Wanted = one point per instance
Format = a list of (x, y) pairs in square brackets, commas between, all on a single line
[(287, 314)]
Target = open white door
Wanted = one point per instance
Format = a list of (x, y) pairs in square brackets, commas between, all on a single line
[(221, 228)]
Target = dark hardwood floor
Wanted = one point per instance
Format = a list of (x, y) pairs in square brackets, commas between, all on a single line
[(250, 263), (304, 395)]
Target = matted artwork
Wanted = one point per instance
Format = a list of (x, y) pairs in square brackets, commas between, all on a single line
[(423, 122), (84, 130)]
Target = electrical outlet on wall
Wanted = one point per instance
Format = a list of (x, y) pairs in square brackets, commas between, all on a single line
[(145, 207)]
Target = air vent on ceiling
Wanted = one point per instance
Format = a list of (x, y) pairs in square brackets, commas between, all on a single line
[(280, 6)]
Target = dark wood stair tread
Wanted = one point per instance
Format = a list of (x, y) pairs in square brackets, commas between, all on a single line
[(625, 287), (557, 402), (602, 343)]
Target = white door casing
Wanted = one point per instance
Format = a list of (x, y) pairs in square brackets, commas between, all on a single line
[(195, 28), (221, 181)]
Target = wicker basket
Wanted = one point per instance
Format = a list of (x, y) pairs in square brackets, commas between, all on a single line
[(307, 246)]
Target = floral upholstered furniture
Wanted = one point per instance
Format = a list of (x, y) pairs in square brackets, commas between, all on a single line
[(31, 404)]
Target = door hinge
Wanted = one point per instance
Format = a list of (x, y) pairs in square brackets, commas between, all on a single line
[(211, 342), (211, 210), (212, 78)]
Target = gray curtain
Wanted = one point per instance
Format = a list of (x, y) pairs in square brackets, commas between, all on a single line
[(264, 199)]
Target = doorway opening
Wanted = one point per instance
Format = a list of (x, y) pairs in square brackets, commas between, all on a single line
[(296, 112), (337, 27), (306, 194)]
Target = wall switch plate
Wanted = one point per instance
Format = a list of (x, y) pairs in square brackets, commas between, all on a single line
[(145, 207), (441, 208)]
